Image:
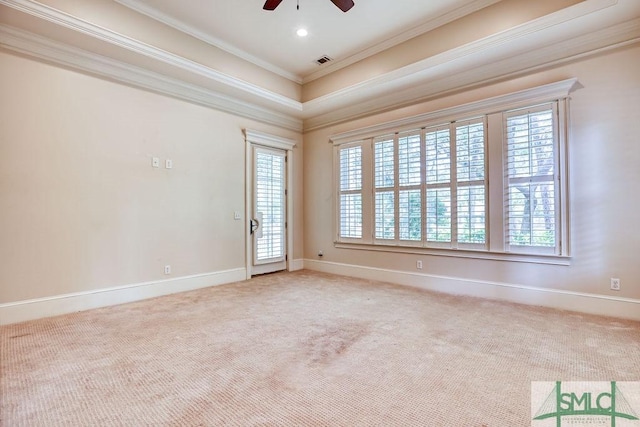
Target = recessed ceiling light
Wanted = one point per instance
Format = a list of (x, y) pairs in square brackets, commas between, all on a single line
[(302, 32)]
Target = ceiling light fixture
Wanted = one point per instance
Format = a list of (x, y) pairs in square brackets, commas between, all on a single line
[(302, 32)]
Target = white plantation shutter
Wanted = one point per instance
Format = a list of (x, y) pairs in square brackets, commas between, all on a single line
[(409, 159), (384, 162), (351, 168), (471, 184), (350, 177), (409, 182), (385, 184), (438, 183), (531, 168), (351, 215)]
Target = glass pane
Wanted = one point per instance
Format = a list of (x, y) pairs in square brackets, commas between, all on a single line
[(384, 164), (385, 215), (351, 215), (530, 144), (532, 214), (470, 152), (438, 160), (409, 159), (271, 204), (439, 215), (410, 215), (471, 214), (351, 168)]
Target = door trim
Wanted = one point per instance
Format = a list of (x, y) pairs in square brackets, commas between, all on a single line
[(256, 138)]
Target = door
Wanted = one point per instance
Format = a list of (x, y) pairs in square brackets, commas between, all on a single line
[(268, 222)]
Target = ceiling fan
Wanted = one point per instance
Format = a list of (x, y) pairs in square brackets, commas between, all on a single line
[(343, 5)]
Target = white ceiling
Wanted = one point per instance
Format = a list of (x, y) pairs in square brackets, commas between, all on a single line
[(269, 39)]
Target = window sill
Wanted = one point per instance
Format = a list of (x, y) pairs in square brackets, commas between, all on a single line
[(459, 253)]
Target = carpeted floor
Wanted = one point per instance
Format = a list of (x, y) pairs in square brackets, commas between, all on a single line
[(303, 349)]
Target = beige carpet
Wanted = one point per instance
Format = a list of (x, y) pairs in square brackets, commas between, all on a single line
[(303, 349)]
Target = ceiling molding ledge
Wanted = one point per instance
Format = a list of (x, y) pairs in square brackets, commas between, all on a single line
[(438, 89), (66, 20), (213, 41), (443, 82), (71, 57), (408, 75)]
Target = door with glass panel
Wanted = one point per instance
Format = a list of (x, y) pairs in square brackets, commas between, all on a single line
[(268, 222)]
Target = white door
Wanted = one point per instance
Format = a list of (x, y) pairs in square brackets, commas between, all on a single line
[(268, 222)]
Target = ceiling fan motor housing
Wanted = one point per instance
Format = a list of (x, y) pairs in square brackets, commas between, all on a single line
[(343, 5)]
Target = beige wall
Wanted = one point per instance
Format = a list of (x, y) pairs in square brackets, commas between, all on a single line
[(82, 209), (604, 175)]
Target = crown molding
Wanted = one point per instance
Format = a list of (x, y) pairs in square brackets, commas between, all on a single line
[(68, 56), (400, 38), (153, 13), (66, 20), (544, 93)]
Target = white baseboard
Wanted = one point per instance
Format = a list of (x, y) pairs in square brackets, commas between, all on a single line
[(296, 264), (21, 311), (604, 305)]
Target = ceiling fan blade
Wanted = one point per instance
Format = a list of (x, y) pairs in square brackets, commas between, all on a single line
[(344, 5), (271, 4)]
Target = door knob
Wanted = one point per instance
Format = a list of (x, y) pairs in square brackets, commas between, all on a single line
[(253, 225)]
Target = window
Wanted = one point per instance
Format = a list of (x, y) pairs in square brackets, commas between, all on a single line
[(440, 185), (531, 164)]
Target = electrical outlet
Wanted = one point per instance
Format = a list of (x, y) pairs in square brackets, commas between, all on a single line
[(320, 253), (155, 162), (615, 284), (167, 269), (419, 265)]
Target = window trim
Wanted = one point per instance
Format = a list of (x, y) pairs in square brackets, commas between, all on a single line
[(557, 92)]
